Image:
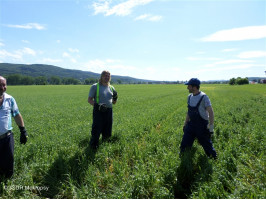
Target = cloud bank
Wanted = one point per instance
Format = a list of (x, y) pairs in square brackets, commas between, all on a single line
[(237, 34)]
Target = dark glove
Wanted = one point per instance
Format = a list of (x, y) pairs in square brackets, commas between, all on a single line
[(23, 135), (115, 95), (210, 134)]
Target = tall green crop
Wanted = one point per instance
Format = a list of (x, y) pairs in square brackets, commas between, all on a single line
[(142, 158)]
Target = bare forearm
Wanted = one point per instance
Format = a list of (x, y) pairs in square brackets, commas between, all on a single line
[(91, 101), (19, 120), (211, 115)]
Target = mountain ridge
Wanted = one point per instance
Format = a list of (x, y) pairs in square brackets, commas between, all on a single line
[(36, 70)]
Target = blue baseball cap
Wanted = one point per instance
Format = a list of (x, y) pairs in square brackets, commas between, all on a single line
[(193, 81)]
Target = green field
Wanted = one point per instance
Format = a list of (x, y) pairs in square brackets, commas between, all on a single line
[(142, 158)]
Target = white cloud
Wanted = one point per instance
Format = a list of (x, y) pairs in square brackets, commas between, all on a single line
[(73, 60), (66, 55), (18, 54), (73, 50), (25, 41), (5, 55), (252, 54), (2, 44), (27, 51), (69, 56), (121, 9), (155, 18), (149, 17), (142, 17), (101, 7), (112, 65), (112, 61), (229, 50), (28, 26), (237, 34)]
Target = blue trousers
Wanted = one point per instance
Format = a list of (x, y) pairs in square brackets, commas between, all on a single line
[(198, 129), (102, 124), (7, 156)]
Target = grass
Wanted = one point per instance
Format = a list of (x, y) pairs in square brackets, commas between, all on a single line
[(142, 159)]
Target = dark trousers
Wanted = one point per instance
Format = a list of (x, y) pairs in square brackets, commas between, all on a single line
[(7, 156), (102, 123), (198, 130)]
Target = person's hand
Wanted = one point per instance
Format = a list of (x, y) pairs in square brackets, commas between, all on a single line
[(23, 135), (211, 128)]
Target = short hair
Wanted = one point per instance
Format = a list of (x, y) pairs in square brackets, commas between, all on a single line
[(197, 86)]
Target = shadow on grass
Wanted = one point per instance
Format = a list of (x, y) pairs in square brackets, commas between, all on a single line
[(64, 168), (191, 172)]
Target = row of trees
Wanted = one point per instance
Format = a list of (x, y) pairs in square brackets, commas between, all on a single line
[(17, 79), (238, 81)]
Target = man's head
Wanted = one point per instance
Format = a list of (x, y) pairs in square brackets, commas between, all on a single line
[(2, 85), (193, 85), (105, 78)]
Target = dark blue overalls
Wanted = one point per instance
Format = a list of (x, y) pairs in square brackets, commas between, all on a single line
[(197, 128)]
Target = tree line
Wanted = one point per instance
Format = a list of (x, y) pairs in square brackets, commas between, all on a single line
[(238, 81), (17, 79)]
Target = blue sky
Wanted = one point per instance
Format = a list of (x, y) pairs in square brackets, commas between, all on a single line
[(149, 39)]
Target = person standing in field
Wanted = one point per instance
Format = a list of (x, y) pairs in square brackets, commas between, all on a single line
[(8, 109), (199, 121), (101, 96)]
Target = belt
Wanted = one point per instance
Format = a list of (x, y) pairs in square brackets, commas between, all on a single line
[(5, 135)]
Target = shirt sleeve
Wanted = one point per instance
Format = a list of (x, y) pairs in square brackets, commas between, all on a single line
[(92, 92), (207, 101), (14, 107)]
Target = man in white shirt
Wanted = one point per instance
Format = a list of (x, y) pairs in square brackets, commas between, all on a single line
[(8, 109), (199, 121)]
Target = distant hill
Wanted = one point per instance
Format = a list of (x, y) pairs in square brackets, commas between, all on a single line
[(36, 70)]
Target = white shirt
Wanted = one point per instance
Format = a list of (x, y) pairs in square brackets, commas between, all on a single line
[(8, 109), (203, 105)]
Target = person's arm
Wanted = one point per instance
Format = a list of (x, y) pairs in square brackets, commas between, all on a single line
[(19, 120), (211, 118), (91, 101), (92, 95), (23, 133)]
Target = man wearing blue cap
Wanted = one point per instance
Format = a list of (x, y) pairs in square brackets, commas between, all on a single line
[(199, 120)]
